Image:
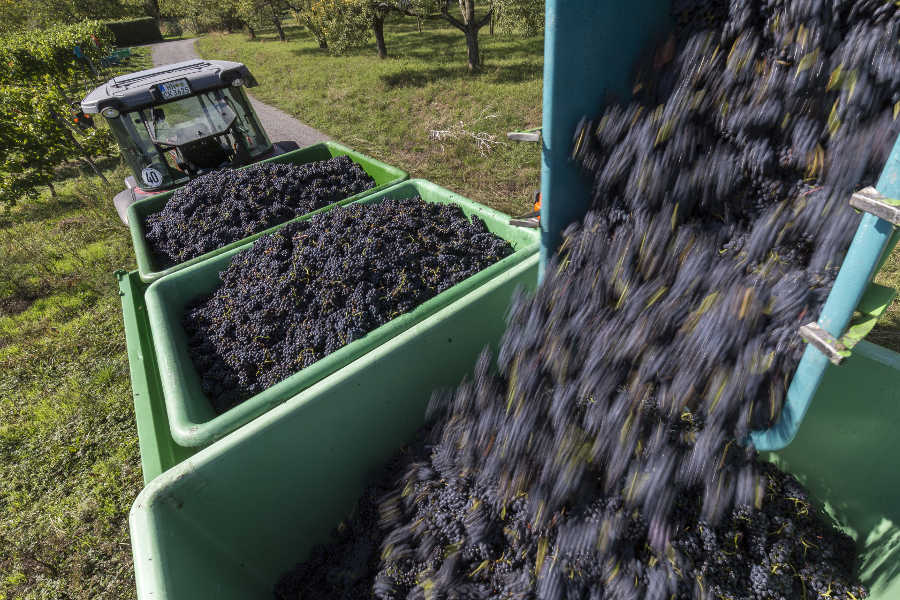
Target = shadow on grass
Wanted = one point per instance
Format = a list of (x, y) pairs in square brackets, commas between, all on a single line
[(315, 51), (437, 44), (78, 168), (422, 77), (32, 211), (45, 207), (515, 73), (887, 335)]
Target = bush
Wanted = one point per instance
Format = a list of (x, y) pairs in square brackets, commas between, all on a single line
[(35, 108), (128, 32), (30, 56)]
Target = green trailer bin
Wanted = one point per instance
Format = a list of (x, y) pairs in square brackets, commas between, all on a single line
[(192, 420), (227, 522), (148, 265), (159, 452)]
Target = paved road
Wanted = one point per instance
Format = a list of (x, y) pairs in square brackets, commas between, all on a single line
[(278, 124)]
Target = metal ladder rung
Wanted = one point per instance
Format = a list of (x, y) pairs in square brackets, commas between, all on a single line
[(824, 342), (871, 201)]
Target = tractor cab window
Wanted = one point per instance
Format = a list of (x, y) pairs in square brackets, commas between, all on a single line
[(188, 119), (205, 115), (151, 168), (246, 123)]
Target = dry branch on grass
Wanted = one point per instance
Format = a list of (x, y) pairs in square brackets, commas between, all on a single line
[(484, 142)]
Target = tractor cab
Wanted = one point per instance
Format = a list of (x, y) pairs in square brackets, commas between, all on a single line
[(179, 121)]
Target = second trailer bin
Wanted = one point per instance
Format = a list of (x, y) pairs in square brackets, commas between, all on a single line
[(192, 420)]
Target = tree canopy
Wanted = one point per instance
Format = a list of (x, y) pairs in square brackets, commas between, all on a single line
[(29, 14)]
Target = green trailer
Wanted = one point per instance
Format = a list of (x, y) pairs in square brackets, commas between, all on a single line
[(175, 419), (228, 521)]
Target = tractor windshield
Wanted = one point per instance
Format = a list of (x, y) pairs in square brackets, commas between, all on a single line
[(189, 119)]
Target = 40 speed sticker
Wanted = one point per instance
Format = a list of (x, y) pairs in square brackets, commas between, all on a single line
[(152, 177)]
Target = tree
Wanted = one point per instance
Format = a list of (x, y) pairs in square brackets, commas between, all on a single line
[(273, 8), (380, 9), (470, 26), (257, 13), (152, 8), (205, 15), (344, 24), (308, 16), (26, 14)]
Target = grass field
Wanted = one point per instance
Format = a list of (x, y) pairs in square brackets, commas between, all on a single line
[(887, 332), (69, 461)]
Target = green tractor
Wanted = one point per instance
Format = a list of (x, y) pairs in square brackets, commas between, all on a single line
[(176, 122)]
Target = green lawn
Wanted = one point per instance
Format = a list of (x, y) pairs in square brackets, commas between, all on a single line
[(887, 332), (69, 460)]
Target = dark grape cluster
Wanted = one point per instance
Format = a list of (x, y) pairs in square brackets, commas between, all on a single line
[(312, 287), (225, 206), (608, 454)]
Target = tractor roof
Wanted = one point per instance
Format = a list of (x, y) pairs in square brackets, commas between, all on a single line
[(137, 90)]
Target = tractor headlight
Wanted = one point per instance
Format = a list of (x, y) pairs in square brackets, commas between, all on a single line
[(237, 82), (110, 113)]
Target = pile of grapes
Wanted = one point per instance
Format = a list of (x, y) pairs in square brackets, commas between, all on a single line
[(312, 287), (607, 455), (445, 534), (225, 206)]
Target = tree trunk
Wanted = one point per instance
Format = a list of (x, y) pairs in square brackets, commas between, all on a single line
[(152, 7), (492, 17), (276, 20), (52, 189), (470, 27), (86, 158), (84, 154), (320, 37), (472, 50), (378, 28), (251, 32)]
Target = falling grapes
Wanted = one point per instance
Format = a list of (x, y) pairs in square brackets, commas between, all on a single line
[(606, 455), (312, 287), (225, 206)]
